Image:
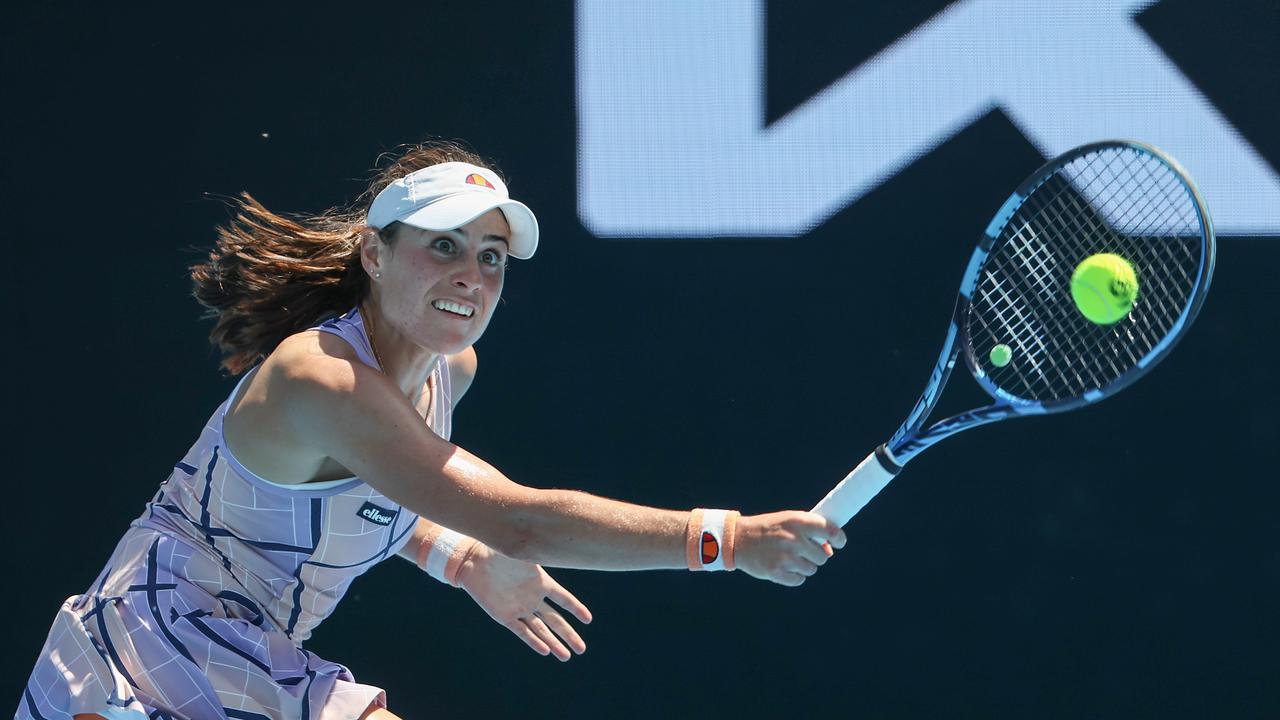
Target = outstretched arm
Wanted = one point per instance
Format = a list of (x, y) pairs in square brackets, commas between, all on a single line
[(355, 415)]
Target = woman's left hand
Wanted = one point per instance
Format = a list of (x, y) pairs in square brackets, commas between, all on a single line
[(515, 594)]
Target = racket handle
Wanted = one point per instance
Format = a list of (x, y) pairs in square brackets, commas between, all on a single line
[(858, 487)]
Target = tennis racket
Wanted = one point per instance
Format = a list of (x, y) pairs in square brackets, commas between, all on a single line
[(1119, 197)]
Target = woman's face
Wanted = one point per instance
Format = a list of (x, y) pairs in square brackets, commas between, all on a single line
[(439, 288)]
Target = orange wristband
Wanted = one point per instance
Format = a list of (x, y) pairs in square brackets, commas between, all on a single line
[(709, 539)]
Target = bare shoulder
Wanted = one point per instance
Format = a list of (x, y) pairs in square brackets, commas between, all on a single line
[(316, 376), (303, 387), (313, 361), (462, 371)]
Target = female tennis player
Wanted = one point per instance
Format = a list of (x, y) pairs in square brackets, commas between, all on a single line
[(354, 331)]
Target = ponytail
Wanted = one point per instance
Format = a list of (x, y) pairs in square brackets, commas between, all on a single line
[(270, 275)]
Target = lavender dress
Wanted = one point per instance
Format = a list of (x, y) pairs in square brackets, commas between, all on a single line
[(203, 607)]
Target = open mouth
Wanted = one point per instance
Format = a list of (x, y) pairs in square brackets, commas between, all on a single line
[(453, 308)]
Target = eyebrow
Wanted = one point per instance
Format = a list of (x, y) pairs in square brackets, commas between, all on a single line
[(491, 238)]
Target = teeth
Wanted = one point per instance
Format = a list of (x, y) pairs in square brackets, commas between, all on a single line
[(453, 307)]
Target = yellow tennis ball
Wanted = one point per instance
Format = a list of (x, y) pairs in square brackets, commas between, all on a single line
[(1001, 355), (1104, 287)]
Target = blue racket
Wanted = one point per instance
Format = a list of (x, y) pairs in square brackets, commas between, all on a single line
[(1115, 197)]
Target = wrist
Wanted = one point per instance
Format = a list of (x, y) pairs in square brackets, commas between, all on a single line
[(711, 539), (472, 557), (442, 552)]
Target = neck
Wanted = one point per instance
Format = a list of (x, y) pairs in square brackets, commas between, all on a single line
[(406, 363)]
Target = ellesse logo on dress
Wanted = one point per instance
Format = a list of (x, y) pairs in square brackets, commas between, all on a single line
[(375, 514)]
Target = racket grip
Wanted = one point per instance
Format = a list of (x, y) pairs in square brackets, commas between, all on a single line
[(858, 487)]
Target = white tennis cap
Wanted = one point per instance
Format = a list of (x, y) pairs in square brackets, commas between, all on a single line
[(449, 195)]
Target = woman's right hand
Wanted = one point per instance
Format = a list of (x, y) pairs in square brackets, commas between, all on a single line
[(784, 547)]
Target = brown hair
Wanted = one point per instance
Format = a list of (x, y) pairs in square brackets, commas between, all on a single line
[(271, 275)]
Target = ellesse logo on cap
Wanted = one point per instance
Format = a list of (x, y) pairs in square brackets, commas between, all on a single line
[(478, 179)]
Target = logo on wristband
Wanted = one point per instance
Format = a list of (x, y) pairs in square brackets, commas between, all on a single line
[(710, 548)]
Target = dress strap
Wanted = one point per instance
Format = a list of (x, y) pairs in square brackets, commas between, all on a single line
[(350, 327)]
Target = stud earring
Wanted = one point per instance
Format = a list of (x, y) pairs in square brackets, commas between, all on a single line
[(377, 276)]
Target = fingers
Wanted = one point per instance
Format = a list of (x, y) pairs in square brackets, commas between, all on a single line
[(565, 599), (790, 579), (795, 573), (823, 532), (562, 628), (815, 543), (805, 567), (787, 547), (830, 532), (812, 553), (544, 633), (526, 634)]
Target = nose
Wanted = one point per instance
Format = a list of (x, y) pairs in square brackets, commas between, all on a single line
[(468, 277)]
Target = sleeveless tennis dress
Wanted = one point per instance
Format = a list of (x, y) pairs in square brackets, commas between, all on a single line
[(203, 607)]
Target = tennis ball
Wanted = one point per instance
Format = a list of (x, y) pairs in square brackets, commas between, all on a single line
[(1001, 355), (1104, 287)]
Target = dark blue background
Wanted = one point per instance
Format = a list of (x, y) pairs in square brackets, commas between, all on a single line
[(1121, 561)]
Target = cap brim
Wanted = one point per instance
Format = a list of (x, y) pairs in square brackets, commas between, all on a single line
[(451, 213)]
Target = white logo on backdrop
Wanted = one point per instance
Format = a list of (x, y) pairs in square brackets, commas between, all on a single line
[(672, 138)]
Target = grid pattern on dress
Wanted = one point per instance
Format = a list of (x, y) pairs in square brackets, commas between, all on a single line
[(203, 607), (149, 643)]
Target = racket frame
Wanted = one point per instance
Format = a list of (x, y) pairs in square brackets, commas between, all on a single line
[(910, 439)]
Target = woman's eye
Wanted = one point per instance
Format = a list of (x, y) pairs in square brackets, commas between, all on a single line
[(490, 257), (443, 244)]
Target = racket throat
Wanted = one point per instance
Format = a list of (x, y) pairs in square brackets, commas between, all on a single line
[(887, 460)]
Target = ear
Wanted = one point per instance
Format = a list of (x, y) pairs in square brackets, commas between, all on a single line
[(371, 250)]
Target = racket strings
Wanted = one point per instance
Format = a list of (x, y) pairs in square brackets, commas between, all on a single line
[(1167, 300), (1066, 211), (1114, 200)]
